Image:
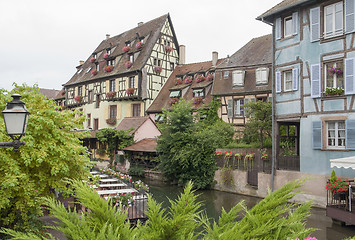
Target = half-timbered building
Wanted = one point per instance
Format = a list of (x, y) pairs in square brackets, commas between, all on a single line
[(124, 74), (243, 77)]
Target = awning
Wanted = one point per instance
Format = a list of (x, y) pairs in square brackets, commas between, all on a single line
[(347, 162)]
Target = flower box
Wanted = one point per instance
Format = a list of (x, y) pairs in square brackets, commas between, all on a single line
[(158, 69), (168, 49), (106, 55), (130, 91), (188, 79), (128, 64), (197, 100), (92, 59), (173, 101), (178, 81), (111, 121), (94, 72), (139, 45), (111, 94), (78, 98), (200, 78), (334, 91), (126, 48), (209, 77), (108, 68)]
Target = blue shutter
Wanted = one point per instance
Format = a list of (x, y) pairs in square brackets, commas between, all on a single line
[(278, 28), (315, 24), (349, 16), (350, 134), (349, 76), (295, 23), (315, 81), (230, 108), (317, 135), (295, 79), (278, 81)]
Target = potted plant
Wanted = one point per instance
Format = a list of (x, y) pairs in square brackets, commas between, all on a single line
[(78, 98), (188, 79), (110, 94), (92, 59), (168, 49), (111, 121), (139, 185), (238, 157), (125, 199), (178, 81), (173, 101), (139, 45), (130, 91), (200, 78), (106, 55), (158, 69), (126, 48), (218, 154), (264, 156), (94, 72), (197, 100), (334, 91), (209, 77), (338, 186), (128, 64), (249, 157), (108, 68)]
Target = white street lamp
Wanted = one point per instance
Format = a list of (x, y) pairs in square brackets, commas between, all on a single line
[(15, 118)]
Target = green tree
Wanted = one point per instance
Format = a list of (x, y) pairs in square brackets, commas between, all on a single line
[(115, 139), (187, 149), (52, 152), (259, 123)]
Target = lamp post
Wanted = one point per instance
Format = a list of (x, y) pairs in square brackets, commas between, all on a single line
[(15, 118)]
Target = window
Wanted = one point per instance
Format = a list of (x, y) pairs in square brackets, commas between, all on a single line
[(113, 111), (112, 86), (90, 96), (131, 58), (262, 75), (238, 108), (98, 99), (287, 75), (226, 74), (334, 79), (288, 31), (89, 120), (336, 134), (155, 61), (238, 78), (159, 62), (108, 51), (131, 82), (88, 70), (96, 123), (198, 92), (136, 110), (80, 90), (286, 26), (172, 65), (333, 20), (97, 67), (111, 62), (174, 94)]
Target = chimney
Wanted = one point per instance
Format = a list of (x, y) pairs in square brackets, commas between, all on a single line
[(214, 58), (140, 24), (81, 62), (107, 36), (182, 55)]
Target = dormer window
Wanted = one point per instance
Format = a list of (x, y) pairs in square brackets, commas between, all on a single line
[(200, 92), (175, 94), (262, 76), (108, 51), (128, 43), (97, 67), (226, 74), (238, 78), (131, 58), (80, 90), (111, 62)]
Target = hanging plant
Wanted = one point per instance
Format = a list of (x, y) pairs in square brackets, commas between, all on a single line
[(249, 157), (178, 81), (168, 49), (188, 79), (200, 78), (106, 55), (126, 48), (130, 91), (111, 94), (94, 72), (238, 157), (173, 101), (218, 154), (92, 59), (78, 98), (128, 64), (265, 156), (139, 45), (197, 100), (111, 121), (335, 70), (108, 68), (158, 69), (209, 77)]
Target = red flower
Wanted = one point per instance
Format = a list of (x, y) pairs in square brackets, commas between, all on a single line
[(126, 48)]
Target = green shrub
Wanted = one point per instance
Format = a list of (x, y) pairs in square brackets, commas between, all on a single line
[(136, 170)]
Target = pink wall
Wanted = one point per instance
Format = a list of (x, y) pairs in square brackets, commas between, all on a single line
[(147, 130)]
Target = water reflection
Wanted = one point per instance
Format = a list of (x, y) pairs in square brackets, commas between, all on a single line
[(214, 201)]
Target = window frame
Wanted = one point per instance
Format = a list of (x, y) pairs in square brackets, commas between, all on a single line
[(198, 92), (136, 110), (97, 100), (112, 85), (238, 78), (336, 135), (96, 124), (284, 80), (289, 17), (225, 74), (238, 102), (113, 112), (131, 82), (88, 116), (80, 90), (336, 79), (259, 76), (177, 91), (334, 33)]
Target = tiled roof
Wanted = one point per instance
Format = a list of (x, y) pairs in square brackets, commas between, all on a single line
[(49, 93), (286, 4), (162, 100), (255, 54), (145, 145), (149, 30), (60, 95), (131, 122)]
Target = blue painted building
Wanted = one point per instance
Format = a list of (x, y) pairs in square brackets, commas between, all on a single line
[(314, 83)]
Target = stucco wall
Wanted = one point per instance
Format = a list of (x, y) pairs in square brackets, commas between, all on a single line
[(147, 130)]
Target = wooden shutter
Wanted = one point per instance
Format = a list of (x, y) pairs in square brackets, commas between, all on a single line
[(295, 76), (117, 85), (236, 107), (295, 23), (349, 16), (119, 111), (230, 108), (278, 28), (107, 86), (317, 135), (315, 24), (278, 81), (128, 110), (142, 109), (350, 134), (107, 112), (349, 76), (315, 80)]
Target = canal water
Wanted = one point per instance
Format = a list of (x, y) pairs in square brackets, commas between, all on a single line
[(213, 202)]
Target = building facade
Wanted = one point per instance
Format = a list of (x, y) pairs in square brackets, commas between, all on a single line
[(124, 74)]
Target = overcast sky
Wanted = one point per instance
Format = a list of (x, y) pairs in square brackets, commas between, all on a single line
[(42, 41)]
